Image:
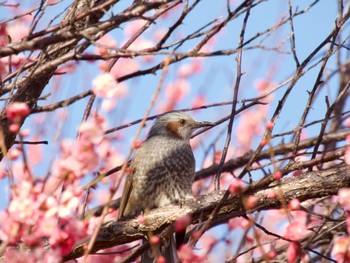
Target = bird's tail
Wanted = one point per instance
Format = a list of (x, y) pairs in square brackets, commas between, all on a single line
[(167, 250)]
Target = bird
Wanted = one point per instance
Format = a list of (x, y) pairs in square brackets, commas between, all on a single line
[(161, 172)]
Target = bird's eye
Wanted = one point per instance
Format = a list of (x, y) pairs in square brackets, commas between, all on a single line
[(182, 121)]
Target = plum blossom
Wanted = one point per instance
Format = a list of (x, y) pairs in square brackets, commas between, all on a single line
[(182, 223), (236, 186), (133, 27), (189, 69), (250, 126), (16, 111), (93, 129), (123, 67), (105, 85), (177, 90), (294, 204), (187, 255), (14, 153), (344, 198), (341, 249), (17, 30), (34, 255), (293, 252), (272, 194), (198, 101), (251, 201), (296, 231)]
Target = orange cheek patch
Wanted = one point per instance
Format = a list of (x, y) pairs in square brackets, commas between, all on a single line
[(173, 127)]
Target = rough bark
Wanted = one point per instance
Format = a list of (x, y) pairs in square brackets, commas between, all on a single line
[(307, 186)]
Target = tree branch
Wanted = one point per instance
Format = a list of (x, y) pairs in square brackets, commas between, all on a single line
[(307, 186)]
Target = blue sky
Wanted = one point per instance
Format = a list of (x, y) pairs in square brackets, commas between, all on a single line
[(216, 80), (218, 75)]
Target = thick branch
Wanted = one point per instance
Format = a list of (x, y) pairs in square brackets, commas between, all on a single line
[(307, 186)]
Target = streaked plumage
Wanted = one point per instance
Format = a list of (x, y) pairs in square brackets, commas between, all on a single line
[(163, 168)]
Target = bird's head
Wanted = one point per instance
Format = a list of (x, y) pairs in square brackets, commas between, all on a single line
[(177, 124)]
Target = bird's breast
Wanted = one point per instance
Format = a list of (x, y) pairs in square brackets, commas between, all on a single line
[(164, 171)]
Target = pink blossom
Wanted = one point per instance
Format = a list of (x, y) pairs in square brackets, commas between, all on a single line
[(105, 85), (277, 175), (341, 249), (250, 126), (133, 27), (10, 230), (234, 223), (217, 157), (263, 142), (16, 61), (93, 129), (36, 152), (264, 86), (101, 258), (187, 255), (24, 210), (3, 174), (272, 254), (198, 101), (154, 240), (14, 153), (64, 237), (251, 201), (16, 111), (17, 30), (347, 122), (269, 125), (296, 231), (123, 67), (293, 252), (141, 219), (245, 224), (272, 194), (68, 204), (176, 91), (189, 69), (108, 104), (45, 226), (14, 128), (143, 44), (236, 186), (137, 144), (344, 198), (16, 256), (25, 132), (294, 204), (182, 223)]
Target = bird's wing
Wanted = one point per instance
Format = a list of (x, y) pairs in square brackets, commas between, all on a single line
[(126, 194)]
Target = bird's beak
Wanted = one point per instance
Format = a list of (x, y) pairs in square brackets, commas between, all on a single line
[(200, 124)]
